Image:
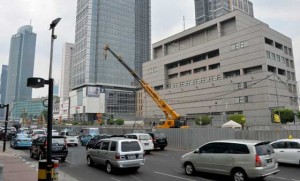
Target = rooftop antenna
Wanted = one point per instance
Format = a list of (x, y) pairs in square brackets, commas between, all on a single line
[(183, 23)]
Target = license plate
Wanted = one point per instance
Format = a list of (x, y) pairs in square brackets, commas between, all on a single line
[(269, 160), (131, 157), (146, 144), (71, 140)]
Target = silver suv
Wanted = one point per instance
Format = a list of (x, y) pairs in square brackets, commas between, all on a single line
[(117, 153), (240, 159)]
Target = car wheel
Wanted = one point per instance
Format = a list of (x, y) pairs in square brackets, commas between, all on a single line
[(189, 168), (239, 175), (31, 154), (63, 159), (90, 162), (109, 168), (162, 148)]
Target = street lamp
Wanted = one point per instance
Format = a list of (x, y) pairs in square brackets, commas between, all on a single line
[(6, 121), (35, 82)]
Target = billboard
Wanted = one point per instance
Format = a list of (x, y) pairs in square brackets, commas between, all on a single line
[(94, 91)]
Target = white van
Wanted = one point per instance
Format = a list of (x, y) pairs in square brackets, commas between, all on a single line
[(71, 137), (144, 138)]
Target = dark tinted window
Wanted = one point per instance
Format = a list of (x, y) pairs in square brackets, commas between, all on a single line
[(105, 145), (208, 148), (221, 147), (113, 146), (278, 145), (293, 145), (127, 146), (238, 148), (263, 149), (97, 146)]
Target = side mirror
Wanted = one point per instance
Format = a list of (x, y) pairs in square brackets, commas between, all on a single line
[(197, 151)]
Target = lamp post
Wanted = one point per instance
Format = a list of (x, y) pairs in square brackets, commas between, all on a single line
[(6, 122), (35, 82)]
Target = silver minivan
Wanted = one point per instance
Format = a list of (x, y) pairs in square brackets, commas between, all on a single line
[(240, 159), (117, 153)]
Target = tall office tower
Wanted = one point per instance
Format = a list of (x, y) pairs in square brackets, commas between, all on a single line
[(65, 79), (3, 89), (105, 86), (21, 64), (206, 10)]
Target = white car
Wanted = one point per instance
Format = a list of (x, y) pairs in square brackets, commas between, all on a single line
[(144, 138), (35, 133), (287, 150), (55, 132), (71, 137)]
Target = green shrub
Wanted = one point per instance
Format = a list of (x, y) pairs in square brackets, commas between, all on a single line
[(119, 121)]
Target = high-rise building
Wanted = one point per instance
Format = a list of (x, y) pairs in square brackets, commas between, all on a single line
[(3, 88), (65, 80), (231, 64), (206, 10), (21, 64), (105, 86)]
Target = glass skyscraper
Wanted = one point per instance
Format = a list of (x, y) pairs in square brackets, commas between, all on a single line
[(125, 27), (21, 64), (206, 10), (3, 89)]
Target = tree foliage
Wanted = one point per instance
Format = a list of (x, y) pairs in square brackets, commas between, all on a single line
[(119, 121), (286, 115), (239, 118), (203, 120)]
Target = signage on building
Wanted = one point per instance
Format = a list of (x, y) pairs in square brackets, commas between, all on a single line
[(94, 91)]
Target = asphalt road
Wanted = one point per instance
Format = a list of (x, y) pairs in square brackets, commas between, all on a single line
[(160, 165)]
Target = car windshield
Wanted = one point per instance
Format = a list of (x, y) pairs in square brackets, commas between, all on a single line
[(58, 140), (39, 132), (71, 134), (127, 146), (264, 149), (144, 137), (23, 136)]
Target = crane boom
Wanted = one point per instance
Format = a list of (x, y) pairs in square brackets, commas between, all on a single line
[(171, 115)]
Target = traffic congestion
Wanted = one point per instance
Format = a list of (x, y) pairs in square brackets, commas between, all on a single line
[(132, 155)]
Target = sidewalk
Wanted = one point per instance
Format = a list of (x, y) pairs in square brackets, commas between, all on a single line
[(16, 168)]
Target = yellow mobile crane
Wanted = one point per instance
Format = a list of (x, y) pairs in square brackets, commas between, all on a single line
[(172, 117)]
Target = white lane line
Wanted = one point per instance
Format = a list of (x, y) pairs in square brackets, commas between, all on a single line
[(182, 178), (115, 179), (295, 180), (282, 178), (136, 178)]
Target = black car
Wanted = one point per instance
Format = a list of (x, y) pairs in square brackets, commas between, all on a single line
[(38, 148), (159, 140), (95, 140), (10, 132)]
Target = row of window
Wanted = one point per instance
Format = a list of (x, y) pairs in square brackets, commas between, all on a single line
[(195, 81), (239, 45), (285, 49), (281, 59)]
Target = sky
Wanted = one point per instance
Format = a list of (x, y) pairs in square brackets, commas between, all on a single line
[(281, 15)]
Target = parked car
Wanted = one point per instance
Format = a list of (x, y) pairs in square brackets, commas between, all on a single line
[(117, 152), (38, 148), (21, 140), (55, 132), (35, 133), (88, 131), (24, 130), (71, 137), (95, 139), (10, 132), (159, 140), (287, 150), (144, 138), (240, 159)]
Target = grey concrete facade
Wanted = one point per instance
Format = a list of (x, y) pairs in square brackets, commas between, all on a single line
[(231, 64)]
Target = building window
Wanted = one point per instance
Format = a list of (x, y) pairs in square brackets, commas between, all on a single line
[(218, 77), (203, 79), (268, 54), (197, 81), (238, 100), (273, 56), (181, 84)]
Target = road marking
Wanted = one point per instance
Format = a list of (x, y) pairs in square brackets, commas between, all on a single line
[(173, 176), (282, 178), (70, 162), (295, 180), (115, 179), (136, 178)]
